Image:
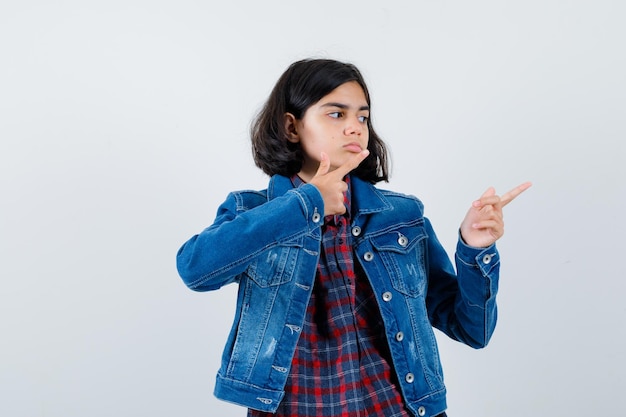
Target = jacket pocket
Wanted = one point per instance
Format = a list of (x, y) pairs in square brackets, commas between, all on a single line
[(275, 265), (403, 252)]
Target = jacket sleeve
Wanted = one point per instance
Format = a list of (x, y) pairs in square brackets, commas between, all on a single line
[(463, 304), (220, 253)]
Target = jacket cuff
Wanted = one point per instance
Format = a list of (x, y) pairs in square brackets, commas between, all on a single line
[(312, 204), (486, 259)]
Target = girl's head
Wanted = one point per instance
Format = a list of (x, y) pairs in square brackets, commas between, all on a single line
[(276, 143)]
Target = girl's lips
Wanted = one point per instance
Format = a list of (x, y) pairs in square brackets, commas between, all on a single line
[(353, 147)]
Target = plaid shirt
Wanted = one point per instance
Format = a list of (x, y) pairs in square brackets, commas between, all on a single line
[(342, 364)]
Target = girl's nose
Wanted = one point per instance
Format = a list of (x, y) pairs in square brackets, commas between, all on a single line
[(353, 126)]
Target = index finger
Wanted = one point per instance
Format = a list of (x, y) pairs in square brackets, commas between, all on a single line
[(351, 163), (510, 196)]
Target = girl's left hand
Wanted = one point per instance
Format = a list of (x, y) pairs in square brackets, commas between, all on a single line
[(483, 223)]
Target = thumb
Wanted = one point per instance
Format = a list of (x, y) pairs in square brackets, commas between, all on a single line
[(488, 193), (324, 165)]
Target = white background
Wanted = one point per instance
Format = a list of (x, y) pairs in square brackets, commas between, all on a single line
[(123, 125)]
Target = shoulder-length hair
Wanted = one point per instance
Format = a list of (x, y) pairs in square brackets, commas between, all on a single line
[(303, 84)]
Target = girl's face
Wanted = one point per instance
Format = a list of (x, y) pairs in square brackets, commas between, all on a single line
[(336, 125)]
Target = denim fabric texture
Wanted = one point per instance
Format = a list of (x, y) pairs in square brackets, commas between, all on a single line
[(269, 243)]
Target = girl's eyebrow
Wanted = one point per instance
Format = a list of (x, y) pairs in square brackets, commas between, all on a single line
[(343, 106)]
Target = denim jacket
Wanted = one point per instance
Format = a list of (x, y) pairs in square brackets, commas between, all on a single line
[(269, 243)]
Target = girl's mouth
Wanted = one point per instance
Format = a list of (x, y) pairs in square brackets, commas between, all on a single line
[(353, 147)]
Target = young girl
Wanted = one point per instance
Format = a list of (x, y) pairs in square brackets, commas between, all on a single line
[(340, 283)]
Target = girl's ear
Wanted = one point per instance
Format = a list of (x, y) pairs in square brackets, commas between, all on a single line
[(290, 128)]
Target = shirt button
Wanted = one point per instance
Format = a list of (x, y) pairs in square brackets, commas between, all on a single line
[(486, 259), (403, 241), (410, 378), (368, 256), (387, 296), (356, 230), (399, 336), (421, 411)]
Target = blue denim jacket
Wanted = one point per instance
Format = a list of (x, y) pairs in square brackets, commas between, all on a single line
[(269, 243)]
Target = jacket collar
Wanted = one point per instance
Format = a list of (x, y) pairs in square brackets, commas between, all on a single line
[(366, 198)]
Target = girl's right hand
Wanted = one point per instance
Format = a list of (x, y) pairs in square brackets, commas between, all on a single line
[(331, 184)]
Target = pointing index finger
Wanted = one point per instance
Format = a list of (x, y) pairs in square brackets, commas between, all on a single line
[(510, 196), (352, 163)]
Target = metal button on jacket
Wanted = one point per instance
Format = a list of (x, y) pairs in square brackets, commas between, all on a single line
[(421, 411), (399, 336), (486, 259), (409, 378), (316, 217), (403, 241), (368, 256), (356, 230), (387, 296)]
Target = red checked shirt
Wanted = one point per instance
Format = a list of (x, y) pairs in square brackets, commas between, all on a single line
[(342, 364)]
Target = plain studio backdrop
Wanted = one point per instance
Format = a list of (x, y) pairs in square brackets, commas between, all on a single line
[(124, 124)]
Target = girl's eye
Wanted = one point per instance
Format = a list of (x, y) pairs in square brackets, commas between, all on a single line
[(363, 119), (335, 114)]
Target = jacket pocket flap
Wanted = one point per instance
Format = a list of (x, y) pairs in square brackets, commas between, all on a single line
[(400, 240)]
